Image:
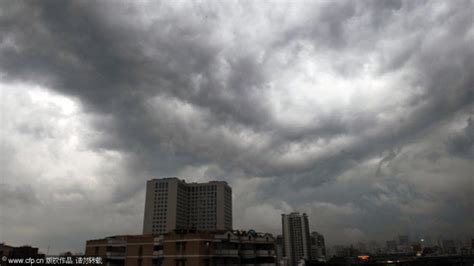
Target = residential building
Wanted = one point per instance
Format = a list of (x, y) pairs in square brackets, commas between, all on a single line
[(318, 247), (296, 238), (219, 248), (186, 248), (172, 204), (129, 250)]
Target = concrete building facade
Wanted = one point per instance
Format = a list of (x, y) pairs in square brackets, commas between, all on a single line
[(296, 238), (133, 250), (172, 203), (318, 246), (184, 248)]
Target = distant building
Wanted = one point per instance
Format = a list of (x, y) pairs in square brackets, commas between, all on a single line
[(344, 251), (184, 248), (472, 246), (318, 247), (374, 247), (404, 244), (426, 241), (403, 240), (449, 247), (22, 252), (296, 238), (172, 203), (392, 246)]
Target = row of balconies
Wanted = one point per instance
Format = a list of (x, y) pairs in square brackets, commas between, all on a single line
[(222, 252), (122, 255), (245, 253), (232, 252), (229, 252), (258, 252)]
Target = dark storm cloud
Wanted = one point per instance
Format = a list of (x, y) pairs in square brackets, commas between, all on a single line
[(84, 51), (106, 65), (78, 53), (192, 85)]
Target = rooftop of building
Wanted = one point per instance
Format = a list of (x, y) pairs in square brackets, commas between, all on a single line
[(122, 238), (189, 183), (189, 233), (294, 214)]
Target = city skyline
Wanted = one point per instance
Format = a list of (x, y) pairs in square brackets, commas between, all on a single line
[(357, 113)]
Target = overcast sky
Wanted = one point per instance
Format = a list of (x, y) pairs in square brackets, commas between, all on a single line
[(359, 113)]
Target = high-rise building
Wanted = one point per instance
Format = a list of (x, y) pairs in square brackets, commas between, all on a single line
[(172, 203), (318, 247), (296, 238)]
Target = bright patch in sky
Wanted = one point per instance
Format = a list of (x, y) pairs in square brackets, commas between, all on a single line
[(46, 99)]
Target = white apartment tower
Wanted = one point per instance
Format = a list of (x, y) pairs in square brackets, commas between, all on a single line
[(296, 238), (172, 203)]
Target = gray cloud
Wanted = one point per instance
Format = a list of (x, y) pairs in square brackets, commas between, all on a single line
[(463, 143), (334, 106), (14, 196)]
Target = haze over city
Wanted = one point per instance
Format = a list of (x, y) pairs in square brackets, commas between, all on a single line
[(357, 113)]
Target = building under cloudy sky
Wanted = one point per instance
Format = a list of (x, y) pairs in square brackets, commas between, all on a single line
[(358, 113)]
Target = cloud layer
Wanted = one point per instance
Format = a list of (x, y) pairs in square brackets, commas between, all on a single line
[(358, 113)]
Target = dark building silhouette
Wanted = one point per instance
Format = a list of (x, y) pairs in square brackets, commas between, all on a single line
[(22, 252), (318, 247)]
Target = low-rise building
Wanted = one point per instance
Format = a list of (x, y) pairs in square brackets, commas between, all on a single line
[(22, 252), (131, 250), (5, 249), (185, 248)]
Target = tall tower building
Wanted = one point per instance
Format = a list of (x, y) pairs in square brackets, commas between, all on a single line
[(172, 203), (318, 247), (296, 237)]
